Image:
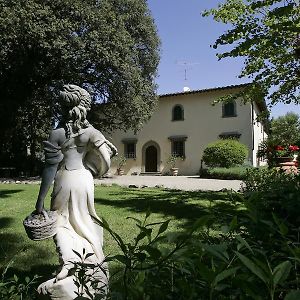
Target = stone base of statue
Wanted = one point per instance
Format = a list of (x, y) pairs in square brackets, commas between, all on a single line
[(68, 289), (83, 275)]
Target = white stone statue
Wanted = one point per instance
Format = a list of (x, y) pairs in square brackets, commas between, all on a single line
[(74, 153)]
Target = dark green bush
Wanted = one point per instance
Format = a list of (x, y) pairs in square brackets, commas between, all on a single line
[(234, 173), (225, 153), (273, 191)]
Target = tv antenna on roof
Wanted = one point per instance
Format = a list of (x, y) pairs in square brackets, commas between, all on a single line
[(187, 66)]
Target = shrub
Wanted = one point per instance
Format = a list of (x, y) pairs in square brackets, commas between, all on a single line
[(234, 173), (273, 191), (225, 153)]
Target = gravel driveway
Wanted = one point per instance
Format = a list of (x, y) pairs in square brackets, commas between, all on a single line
[(187, 183)]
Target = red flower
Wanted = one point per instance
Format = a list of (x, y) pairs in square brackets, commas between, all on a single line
[(293, 148), (279, 148)]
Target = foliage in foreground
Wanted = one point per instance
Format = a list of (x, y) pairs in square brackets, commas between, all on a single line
[(266, 34), (15, 287), (271, 191), (232, 265)]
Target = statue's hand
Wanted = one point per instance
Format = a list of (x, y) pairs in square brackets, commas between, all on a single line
[(112, 149), (46, 287)]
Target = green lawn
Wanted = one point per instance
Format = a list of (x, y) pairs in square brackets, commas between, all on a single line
[(115, 204)]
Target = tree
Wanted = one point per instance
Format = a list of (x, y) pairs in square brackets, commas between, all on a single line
[(285, 130), (267, 34), (109, 47)]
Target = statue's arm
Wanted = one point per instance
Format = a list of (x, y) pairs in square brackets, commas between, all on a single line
[(53, 156), (47, 178)]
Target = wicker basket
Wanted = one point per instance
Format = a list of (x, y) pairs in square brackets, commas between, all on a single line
[(41, 226)]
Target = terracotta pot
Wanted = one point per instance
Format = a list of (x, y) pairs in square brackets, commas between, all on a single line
[(174, 171)]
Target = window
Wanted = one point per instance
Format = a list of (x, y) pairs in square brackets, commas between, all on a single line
[(229, 109), (130, 148), (178, 145), (178, 148), (177, 113)]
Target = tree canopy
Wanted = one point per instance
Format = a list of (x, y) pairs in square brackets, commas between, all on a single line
[(285, 130), (109, 47), (267, 34)]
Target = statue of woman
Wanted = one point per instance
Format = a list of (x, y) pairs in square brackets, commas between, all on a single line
[(74, 152)]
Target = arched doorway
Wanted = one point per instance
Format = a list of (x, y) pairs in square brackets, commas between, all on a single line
[(151, 159)]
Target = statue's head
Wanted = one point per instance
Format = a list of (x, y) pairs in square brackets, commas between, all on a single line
[(72, 95), (75, 102)]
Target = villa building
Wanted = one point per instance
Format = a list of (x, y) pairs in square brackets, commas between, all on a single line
[(183, 124)]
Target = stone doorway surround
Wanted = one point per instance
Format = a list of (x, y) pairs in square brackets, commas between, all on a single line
[(151, 157)]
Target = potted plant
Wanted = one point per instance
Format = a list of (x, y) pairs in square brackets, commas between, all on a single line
[(121, 161), (285, 154), (172, 161)]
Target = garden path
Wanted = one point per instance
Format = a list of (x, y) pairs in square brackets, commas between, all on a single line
[(186, 183)]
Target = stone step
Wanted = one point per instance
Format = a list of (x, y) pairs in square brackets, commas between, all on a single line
[(150, 174)]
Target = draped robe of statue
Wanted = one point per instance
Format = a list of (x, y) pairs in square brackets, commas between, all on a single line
[(79, 157)]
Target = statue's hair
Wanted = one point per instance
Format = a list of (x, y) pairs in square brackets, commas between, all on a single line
[(78, 101)]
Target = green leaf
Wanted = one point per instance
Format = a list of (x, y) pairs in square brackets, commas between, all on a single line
[(148, 213), (88, 255), (141, 235), (163, 227), (217, 251), (153, 252), (293, 295), (244, 243), (206, 274), (281, 272), (224, 274), (233, 224), (282, 227), (122, 259), (78, 254), (141, 256), (253, 267), (139, 222)]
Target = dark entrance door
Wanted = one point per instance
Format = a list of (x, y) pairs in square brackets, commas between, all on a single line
[(151, 159)]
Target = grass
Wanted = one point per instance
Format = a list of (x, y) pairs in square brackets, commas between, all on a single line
[(114, 204)]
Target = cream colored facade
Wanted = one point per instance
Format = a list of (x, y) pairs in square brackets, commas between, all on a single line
[(202, 123)]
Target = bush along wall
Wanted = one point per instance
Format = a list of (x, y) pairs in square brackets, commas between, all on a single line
[(225, 153), (233, 173)]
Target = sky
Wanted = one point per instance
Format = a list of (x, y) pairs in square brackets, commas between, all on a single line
[(186, 37)]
